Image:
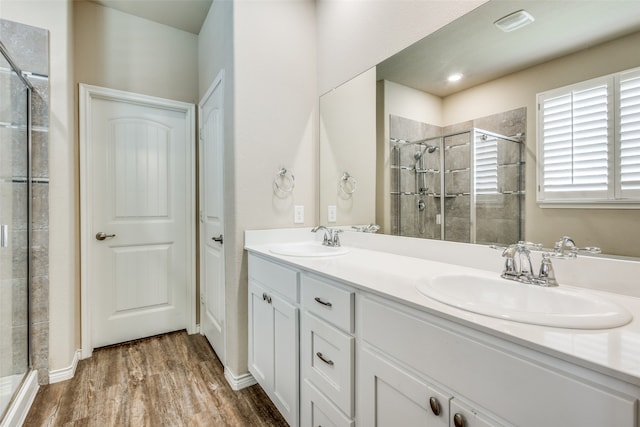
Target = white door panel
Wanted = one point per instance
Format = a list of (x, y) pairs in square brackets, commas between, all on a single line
[(212, 277), (138, 189)]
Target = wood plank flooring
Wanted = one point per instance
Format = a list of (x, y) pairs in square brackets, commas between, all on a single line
[(168, 380)]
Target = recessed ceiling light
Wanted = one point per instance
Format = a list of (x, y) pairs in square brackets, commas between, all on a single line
[(454, 77), (514, 21)]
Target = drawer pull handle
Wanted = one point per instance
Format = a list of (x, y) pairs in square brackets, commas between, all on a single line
[(266, 297), (458, 420), (323, 302), (324, 359), (435, 406)]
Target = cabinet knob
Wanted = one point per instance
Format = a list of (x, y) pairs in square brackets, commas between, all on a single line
[(458, 420), (435, 406)]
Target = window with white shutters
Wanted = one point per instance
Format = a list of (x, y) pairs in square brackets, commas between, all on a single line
[(589, 142), (486, 165), (629, 131)]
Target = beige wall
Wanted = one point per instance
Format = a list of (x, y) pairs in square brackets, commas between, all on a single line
[(56, 16), (121, 51), (354, 36), (616, 231), (275, 125), (215, 55), (348, 144)]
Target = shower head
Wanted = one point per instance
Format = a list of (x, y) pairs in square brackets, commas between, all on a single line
[(427, 148)]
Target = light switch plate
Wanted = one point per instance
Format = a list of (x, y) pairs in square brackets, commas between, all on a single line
[(331, 214), (298, 214)]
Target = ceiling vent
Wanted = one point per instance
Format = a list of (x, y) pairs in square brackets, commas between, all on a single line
[(514, 21)]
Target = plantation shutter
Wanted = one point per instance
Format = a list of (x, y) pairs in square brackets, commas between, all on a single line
[(629, 134), (576, 131), (486, 165)]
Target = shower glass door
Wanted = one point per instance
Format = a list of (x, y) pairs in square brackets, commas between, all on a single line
[(14, 231)]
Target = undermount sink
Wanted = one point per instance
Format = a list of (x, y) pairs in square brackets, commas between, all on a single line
[(504, 299), (307, 249)]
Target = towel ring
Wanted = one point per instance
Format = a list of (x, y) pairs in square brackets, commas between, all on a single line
[(348, 184), (284, 181)]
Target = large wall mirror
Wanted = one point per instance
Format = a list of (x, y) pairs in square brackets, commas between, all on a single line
[(403, 147)]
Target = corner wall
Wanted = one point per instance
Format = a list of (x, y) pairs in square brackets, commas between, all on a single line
[(275, 126), (56, 16), (268, 52)]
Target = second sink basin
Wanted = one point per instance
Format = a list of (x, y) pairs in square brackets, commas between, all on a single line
[(307, 249), (504, 299)]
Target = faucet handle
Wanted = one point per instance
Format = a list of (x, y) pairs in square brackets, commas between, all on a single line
[(547, 276), (335, 240)]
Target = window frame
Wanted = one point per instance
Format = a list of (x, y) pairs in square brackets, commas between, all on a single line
[(613, 196)]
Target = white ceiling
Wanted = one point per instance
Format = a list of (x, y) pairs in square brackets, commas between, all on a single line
[(473, 46), (186, 15)]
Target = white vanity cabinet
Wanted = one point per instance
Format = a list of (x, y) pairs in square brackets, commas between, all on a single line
[(407, 356), (327, 349), (274, 333), (334, 354)]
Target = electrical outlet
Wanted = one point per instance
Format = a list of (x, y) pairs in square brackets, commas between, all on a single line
[(298, 214), (331, 214)]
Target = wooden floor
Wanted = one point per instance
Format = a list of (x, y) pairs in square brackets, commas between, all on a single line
[(168, 380)]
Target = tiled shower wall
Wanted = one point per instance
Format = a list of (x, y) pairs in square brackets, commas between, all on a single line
[(29, 48), (407, 218), (498, 218)]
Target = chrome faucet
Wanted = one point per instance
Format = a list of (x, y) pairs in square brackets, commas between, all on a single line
[(331, 235), (566, 248), (518, 267), (371, 228), (517, 264)]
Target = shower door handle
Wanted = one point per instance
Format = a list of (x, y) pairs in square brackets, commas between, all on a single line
[(4, 236), (102, 236)]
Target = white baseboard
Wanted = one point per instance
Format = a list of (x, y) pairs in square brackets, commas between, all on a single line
[(17, 412), (238, 382), (67, 373)]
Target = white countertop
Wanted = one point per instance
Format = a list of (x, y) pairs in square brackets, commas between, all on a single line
[(614, 352)]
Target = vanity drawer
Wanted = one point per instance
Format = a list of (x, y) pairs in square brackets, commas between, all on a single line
[(328, 301), (327, 360), (316, 410), (277, 277)]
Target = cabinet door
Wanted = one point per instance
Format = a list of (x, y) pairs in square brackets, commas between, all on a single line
[(389, 396), (285, 358), (464, 415), (273, 348), (261, 351)]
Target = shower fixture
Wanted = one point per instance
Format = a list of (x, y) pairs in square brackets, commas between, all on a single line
[(427, 148)]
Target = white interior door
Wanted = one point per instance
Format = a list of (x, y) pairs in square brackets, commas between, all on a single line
[(212, 279), (137, 186)]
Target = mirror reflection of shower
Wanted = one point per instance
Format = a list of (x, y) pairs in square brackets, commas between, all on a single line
[(463, 185)]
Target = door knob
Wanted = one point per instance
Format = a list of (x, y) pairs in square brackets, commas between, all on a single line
[(102, 235), (217, 239)]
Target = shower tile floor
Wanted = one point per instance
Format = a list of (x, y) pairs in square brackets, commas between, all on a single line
[(169, 380)]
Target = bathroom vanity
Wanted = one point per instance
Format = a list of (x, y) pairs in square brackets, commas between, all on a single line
[(348, 340)]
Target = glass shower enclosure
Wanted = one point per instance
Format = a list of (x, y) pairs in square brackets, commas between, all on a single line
[(465, 186), (15, 207)]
